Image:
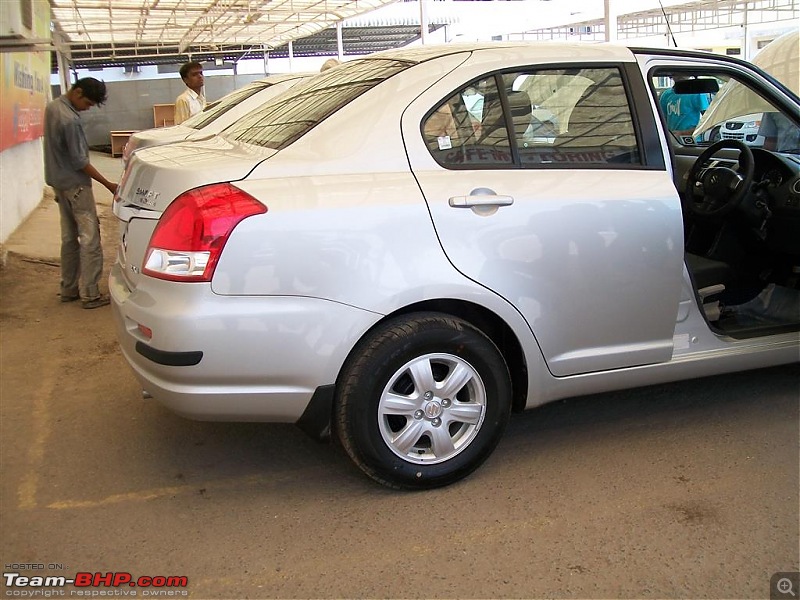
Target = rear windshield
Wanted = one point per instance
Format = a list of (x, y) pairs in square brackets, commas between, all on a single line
[(293, 113), (224, 104)]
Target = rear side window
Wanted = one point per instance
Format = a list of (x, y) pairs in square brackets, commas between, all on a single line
[(536, 118), (280, 122)]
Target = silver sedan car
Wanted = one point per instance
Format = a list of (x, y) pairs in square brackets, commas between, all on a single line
[(401, 252)]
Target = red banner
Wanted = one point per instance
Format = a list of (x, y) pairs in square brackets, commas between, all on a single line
[(26, 79)]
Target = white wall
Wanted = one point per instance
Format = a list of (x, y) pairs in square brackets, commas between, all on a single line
[(22, 183), (248, 66)]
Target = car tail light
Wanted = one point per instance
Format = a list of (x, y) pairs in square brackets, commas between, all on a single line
[(130, 146), (190, 236)]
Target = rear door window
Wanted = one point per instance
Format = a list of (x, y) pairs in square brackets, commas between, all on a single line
[(577, 117)]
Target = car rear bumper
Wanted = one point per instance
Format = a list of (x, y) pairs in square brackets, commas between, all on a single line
[(278, 349)]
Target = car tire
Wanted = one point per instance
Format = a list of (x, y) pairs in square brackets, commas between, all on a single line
[(422, 401)]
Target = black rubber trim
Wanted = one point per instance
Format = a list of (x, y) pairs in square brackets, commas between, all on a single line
[(644, 120), (171, 359), (316, 418)]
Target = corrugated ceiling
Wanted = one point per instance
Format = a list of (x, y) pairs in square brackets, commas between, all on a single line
[(115, 32), (194, 26)]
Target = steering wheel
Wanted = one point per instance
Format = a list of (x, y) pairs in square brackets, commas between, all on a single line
[(714, 191)]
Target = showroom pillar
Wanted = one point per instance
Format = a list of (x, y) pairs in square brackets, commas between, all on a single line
[(423, 21), (745, 35), (610, 18), (339, 44), (62, 59)]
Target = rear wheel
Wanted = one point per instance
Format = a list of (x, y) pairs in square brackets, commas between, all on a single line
[(422, 401)]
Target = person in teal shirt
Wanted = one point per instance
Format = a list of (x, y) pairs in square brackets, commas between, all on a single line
[(682, 111)]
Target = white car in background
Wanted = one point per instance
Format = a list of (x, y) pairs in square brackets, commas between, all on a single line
[(217, 115), (746, 128)]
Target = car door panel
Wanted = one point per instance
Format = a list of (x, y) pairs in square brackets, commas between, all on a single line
[(592, 259), (591, 255)]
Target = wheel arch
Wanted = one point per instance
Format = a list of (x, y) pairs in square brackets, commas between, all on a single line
[(494, 327), (318, 422)]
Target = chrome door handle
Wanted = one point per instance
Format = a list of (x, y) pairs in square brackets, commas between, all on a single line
[(480, 197)]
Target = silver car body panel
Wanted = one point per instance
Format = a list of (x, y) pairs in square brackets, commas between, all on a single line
[(351, 235), (240, 381), (570, 288)]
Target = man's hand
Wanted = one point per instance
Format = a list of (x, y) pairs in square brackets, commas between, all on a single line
[(98, 177)]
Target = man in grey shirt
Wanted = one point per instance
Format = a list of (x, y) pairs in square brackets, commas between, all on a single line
[(68, 171)]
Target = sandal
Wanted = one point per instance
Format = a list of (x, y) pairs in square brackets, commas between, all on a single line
[(101, 300)]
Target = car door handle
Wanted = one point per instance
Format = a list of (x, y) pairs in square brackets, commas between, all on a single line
[(480, 197)]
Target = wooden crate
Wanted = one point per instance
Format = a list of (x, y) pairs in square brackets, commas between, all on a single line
[(163, 115), (118, 141)]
